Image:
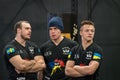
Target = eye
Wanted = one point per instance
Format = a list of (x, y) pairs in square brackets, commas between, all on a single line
[(86, 30), (92, 30)]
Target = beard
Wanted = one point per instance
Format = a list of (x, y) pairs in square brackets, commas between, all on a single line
[(25, 38)]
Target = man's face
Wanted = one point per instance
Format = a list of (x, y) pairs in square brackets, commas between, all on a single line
[(54, 33), (87, 32), (25, 31)]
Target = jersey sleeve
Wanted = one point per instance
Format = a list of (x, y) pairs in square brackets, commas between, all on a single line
[(37, 50), (97, 55), (10, 51), (72, 52)]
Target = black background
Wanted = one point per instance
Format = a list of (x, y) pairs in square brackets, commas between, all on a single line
[(105, 14)]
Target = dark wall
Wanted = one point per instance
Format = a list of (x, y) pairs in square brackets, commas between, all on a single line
[(105, 14)]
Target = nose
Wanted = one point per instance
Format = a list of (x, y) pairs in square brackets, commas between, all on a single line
[(90, 32), (52, 30), (30, 30)]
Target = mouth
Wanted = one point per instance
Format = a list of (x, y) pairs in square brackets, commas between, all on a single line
[(29, 35), (90, 36), (53, 35)]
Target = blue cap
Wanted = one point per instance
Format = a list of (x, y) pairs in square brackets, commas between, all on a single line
[(57, 22)]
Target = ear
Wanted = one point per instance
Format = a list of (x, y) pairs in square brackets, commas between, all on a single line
[(18, 30), (80, 33)]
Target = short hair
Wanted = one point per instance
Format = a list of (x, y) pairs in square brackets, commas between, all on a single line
[(86, 22), (18, 25)]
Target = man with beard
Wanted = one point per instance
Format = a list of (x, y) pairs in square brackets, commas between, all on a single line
[(23, 58)]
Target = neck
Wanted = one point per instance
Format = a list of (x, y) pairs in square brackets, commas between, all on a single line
[(85, 43), (20, 40), (57, 41)]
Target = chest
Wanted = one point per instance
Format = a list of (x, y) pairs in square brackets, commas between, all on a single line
[(84, 56), (60, 52), (26, 52)]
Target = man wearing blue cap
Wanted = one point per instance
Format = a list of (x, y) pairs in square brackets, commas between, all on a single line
[(56, 51)]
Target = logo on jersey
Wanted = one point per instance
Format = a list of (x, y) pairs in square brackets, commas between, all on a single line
[(69, 54), (48, 53), (97, 56), (10, 50), (76, 56), (21, 78), (39, 50), (56, 65), (31, 49), (66, 50), (89, 55)]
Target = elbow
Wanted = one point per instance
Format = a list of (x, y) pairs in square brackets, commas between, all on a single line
[(90, 72), (42, 65)]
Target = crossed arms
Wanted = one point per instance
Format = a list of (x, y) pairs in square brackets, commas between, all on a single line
[(23, 66), (79, 71)]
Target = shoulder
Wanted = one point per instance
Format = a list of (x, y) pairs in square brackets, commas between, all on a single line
[(70, 41), (97, 46), (10, 44), (31, 43), (76, 47), (9, 47), (47, 43)]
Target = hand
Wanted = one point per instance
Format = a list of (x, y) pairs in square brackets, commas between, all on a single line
[(33, 62)]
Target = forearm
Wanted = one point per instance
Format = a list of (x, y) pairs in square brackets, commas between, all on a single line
[(38, 67), (34, 65), (40, 75), (84, 70), (88, 69), (39, 64), (27, 65), (72, 72)]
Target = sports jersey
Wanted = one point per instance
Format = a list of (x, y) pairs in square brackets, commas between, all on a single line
[(83, 57), (3, 73), (55, 58), (27, 53)]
